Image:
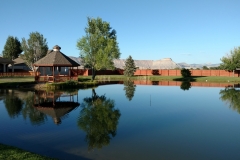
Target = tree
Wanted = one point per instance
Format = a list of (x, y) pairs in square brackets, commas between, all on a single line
[(231, 61), (129, 88), (205, 67), (34, 48), (99, 119), (12, 48), (185, 72), (130, 67), (99, 47)]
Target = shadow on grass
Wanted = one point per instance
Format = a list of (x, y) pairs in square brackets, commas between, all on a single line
[(190, 79), (84, 79)]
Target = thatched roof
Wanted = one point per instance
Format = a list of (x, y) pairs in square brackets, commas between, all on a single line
[(56, 58), (19, 61), (5, 60)]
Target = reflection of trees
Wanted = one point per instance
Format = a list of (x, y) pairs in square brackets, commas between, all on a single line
[(232, 97), (99, 119), (185, 85), (35, 116), (13, 104), (129, 88)]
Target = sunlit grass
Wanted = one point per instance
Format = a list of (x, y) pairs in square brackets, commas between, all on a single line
[(12, 153)]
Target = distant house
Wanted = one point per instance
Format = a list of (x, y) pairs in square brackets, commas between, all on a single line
[(4, 62), (19, 65)]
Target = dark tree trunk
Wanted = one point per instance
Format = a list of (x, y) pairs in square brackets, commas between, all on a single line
[(93, 74)]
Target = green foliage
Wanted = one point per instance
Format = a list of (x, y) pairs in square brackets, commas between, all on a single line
[(129, 88), (185, 72), (231, 96), (231, 61), (185, 85), (13, 153), (34, 48), (205, 68), (130, 67), (99, 119), (12, 48), (99, 47)]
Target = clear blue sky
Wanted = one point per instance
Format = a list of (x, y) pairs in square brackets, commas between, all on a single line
[(191, 31)]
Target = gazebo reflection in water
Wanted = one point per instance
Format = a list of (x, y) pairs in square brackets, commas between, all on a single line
[(55, 103)]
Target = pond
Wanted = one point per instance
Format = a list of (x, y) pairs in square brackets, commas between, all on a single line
[(124, 121)]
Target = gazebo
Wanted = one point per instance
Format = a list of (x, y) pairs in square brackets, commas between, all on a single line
[(55, 67)]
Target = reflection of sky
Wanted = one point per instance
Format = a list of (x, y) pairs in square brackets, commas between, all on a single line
[(159, 122)]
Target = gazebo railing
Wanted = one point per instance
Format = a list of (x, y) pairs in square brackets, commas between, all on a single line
[(56, 78)]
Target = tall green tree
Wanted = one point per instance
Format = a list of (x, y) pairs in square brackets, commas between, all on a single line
[(12, 48), (130, 67), (99, 47), (231, 61), (34, 48)]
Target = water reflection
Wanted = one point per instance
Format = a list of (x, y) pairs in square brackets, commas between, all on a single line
[(50, 103), (99, 119), (31, 113), (129, 88), (185, 85), (231, 95), (12, 103)]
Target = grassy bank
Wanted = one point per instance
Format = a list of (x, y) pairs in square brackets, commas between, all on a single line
[(11, 153), (166, 78), (85, 81)]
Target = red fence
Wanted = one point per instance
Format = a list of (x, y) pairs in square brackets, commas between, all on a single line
[(142, 72), (163, 72)]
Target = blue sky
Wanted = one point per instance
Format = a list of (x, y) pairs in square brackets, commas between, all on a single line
[(190, 31)]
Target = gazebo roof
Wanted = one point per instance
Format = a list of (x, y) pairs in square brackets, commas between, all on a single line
[(5, 60), (56, 58)]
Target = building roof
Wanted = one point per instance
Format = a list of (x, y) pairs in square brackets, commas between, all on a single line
[(56, 58), (165, 63), (18, 61), (5, 60)]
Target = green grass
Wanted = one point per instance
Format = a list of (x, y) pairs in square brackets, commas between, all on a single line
[(16, 79), (13, 153), (85, 81), (165, 78)]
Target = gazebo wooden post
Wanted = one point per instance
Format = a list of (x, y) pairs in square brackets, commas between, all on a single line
[(69, 73), (53, 75)]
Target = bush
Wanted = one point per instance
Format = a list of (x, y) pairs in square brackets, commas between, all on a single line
[(186, 73)]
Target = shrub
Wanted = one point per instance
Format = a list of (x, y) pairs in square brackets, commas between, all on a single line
[(186, 73)]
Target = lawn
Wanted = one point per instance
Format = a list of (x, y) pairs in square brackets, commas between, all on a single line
[(13, 153), (29, 80)]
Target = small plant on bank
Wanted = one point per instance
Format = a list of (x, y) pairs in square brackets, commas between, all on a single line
[(130, 67), (186, 73)]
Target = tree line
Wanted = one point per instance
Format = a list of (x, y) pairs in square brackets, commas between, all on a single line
[(98, 48)]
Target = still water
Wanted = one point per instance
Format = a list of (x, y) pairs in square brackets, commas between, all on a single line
[(124, 121)]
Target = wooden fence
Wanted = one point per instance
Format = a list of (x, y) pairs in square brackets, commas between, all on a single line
[(163, 72), (142, 72)]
